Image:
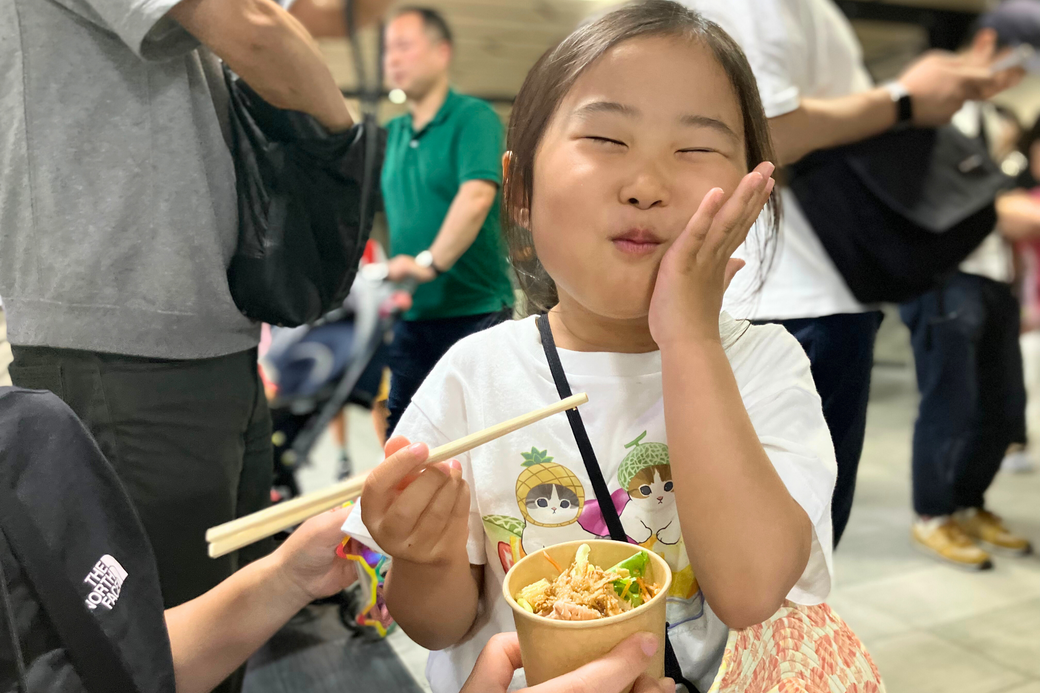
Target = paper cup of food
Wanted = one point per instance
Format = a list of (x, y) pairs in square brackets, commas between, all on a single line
[(573, 603)]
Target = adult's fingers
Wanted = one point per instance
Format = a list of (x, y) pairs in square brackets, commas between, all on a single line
[(648, 684), (384, 481), (614, 673), (495, 666)]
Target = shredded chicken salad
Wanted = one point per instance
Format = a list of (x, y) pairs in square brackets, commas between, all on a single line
[(584, 592)]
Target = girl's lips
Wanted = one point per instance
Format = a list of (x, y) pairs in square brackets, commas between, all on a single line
[(631, 246)]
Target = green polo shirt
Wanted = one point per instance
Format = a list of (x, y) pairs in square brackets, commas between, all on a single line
[(422, 174)]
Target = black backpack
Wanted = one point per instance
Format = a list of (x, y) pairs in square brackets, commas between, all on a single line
[(897, 213), (80, 606)]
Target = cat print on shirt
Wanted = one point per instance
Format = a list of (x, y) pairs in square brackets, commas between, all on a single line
[(646, 474), (651, 519), (550, 498)]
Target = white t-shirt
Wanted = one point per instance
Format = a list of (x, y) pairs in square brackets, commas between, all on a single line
[(796, 48), (530, 488)]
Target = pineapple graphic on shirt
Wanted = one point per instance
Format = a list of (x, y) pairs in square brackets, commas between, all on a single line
[(550, 498)]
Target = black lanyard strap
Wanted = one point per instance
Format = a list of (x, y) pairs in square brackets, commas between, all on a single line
[(599, 485)]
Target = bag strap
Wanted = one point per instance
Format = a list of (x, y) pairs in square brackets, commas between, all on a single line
[(12, 625), (95, 658), (599, 485), (588, 455)]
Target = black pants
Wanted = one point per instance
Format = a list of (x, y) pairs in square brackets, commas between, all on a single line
[(841, 354), (418, 346), (973, 399)]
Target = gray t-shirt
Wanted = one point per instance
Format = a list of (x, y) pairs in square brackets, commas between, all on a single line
[(117, 192)]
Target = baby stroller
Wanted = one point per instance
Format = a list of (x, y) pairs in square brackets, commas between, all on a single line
[(314, 371), (311, 373)]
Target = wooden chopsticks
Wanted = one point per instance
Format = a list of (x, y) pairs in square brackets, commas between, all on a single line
[(244, 531)]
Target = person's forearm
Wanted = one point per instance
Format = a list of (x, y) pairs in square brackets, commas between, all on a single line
[(1018, 216), (463, 222), (749, 540), (214, 634), (434, 604), (322, 18), (825, 123), (271, 51)]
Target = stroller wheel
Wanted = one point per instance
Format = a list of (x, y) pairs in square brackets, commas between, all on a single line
[(348, 611)]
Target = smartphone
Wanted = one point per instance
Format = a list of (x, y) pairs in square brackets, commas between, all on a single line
[(1018, 57)]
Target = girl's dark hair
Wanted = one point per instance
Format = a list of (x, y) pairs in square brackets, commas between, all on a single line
[(551, 78)]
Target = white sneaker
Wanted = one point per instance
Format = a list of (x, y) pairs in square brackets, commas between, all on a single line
[(1018, 462)]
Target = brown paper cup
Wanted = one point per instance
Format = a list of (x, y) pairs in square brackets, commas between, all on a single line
[(553, 648)]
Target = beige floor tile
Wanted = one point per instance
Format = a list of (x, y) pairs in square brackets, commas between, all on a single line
[(871, 625), (1033, 687), (919, 662), (939, 594), (1010, 636), (867, 554)]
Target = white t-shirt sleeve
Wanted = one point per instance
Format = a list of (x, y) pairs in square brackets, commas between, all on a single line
[(788, 417), (763, 31), (443, 389)]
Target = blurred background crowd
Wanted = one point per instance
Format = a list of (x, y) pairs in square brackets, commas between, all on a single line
[(933, 404)]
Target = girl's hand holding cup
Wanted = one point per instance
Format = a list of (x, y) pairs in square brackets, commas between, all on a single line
[(699, 266), (414, 514)]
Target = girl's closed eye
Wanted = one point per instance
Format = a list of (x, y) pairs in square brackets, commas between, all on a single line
[(605, 142)]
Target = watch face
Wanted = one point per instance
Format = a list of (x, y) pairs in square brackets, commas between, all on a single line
[(424, 259)]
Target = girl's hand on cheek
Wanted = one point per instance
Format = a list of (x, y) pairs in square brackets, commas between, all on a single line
[(416, 514), (698, 267)]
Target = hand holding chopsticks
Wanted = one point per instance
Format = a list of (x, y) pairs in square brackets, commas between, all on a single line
[(233, 535)]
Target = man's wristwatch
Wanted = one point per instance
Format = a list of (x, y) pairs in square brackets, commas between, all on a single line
[(904, 104), (425, 260)]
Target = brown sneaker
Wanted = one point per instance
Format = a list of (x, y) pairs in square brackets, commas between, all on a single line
[(943, 538), (988, 529)]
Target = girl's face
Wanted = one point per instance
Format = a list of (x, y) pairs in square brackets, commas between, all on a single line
[(636, 144)]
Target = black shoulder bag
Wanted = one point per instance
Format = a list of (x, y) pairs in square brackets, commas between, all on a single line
[(588, 456), (306, 201), (90, 650), (898, 212)]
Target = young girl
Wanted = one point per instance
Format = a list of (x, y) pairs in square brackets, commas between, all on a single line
[(627, 190)]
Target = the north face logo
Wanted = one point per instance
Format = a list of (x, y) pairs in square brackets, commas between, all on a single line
[(107, 580)]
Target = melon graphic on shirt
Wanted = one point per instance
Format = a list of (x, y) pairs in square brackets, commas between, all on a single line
[(650, 518), (646, 475), (550, 498)]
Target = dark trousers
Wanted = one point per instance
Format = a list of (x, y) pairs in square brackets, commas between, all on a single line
[(841, 354), (417, 347), (973, 399)]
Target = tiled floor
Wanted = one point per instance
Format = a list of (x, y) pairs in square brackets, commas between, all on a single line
[(931, 628)]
